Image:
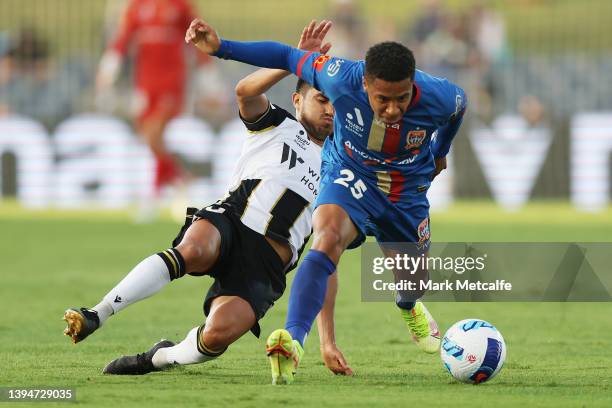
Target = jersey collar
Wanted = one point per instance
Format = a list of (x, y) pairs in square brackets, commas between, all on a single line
[(415, 96)]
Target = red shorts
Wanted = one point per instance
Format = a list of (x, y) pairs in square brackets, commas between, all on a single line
[(158, 103)]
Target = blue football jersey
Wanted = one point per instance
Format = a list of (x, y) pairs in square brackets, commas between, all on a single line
[(388, 153)]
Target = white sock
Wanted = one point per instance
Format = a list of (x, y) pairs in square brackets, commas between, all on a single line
[(104, 310), (146, 279), (186, 352)]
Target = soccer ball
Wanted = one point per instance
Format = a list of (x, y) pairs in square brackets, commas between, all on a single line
[(473, 351)]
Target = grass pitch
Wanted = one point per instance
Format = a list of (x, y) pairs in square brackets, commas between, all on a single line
[(558, 354)]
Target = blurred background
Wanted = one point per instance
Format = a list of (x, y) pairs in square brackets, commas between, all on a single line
[(81, 156), (538, 74)]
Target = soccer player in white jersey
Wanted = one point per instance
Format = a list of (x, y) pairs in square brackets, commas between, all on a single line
[(246, 241)]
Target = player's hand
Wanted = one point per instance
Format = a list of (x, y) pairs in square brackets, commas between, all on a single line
[(313, 35), (334, 360), (440, 165), (203, 36)]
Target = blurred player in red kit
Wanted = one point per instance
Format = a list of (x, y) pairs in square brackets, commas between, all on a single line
[(153, 30)]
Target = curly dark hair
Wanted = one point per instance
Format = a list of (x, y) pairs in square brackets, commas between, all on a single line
[(389, 61)]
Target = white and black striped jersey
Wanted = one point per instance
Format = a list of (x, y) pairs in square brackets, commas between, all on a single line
[(276, 179)]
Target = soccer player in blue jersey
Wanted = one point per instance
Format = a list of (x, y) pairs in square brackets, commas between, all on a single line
[(393, 127)]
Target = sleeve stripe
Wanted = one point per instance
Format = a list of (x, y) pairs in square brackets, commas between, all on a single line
[(301, 63), (263, 115), (254, 132)]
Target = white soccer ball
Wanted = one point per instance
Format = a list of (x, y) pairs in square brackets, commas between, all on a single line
[(473, 351)]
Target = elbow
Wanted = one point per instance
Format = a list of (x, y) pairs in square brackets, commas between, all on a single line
[(242, 89)]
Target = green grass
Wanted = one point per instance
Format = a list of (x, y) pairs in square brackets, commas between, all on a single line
[(558, 354)]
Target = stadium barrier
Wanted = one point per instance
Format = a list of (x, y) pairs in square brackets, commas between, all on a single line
[(94, 159)]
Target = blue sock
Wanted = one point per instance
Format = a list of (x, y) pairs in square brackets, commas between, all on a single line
[(308, 293)]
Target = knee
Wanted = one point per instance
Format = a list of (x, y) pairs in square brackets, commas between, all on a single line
[(215, 339), (330, 241), (191, 251), (198, 256)]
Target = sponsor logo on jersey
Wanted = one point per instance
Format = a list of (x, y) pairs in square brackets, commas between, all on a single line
[(458, 104), (415, 138), (320, 61), (311, 181), (423, 233), (409, 160), (371, 160), (355, 127), (349, 147), (334, 67), (301, 140), (291, 156)]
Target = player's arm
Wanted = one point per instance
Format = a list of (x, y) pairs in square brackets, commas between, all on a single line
[(447, 132), (307, 65), (252, 101), (332, 356)]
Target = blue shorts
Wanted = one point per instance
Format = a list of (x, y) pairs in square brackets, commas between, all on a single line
[(374, 209)]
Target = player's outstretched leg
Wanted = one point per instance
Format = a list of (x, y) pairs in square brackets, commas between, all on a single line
[(284, 354), (421, 324), (196, 253), (138, 364), (81, 323), (146, 279), (230, 317)]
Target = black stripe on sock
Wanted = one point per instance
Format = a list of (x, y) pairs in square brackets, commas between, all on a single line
[(202, 347), (180, 261), (164, 256)]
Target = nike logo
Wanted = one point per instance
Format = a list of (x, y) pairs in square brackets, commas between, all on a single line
[(117, 299)]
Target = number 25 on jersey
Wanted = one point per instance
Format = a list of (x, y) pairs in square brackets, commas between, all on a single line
[(348, 176)]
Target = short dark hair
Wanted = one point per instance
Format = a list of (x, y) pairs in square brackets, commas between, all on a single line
[(389, 61), (301, 85)]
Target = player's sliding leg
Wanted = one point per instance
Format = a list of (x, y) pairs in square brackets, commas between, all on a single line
[(146, 279), (333, 232), (230, 317), (197, 252)]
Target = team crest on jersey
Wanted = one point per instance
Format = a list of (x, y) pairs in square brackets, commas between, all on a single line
[(334, 67), (415, 138), (320, 62), (423, 233)]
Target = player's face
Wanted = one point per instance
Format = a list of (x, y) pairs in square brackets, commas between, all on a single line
[(389, 100), (315, 112)]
